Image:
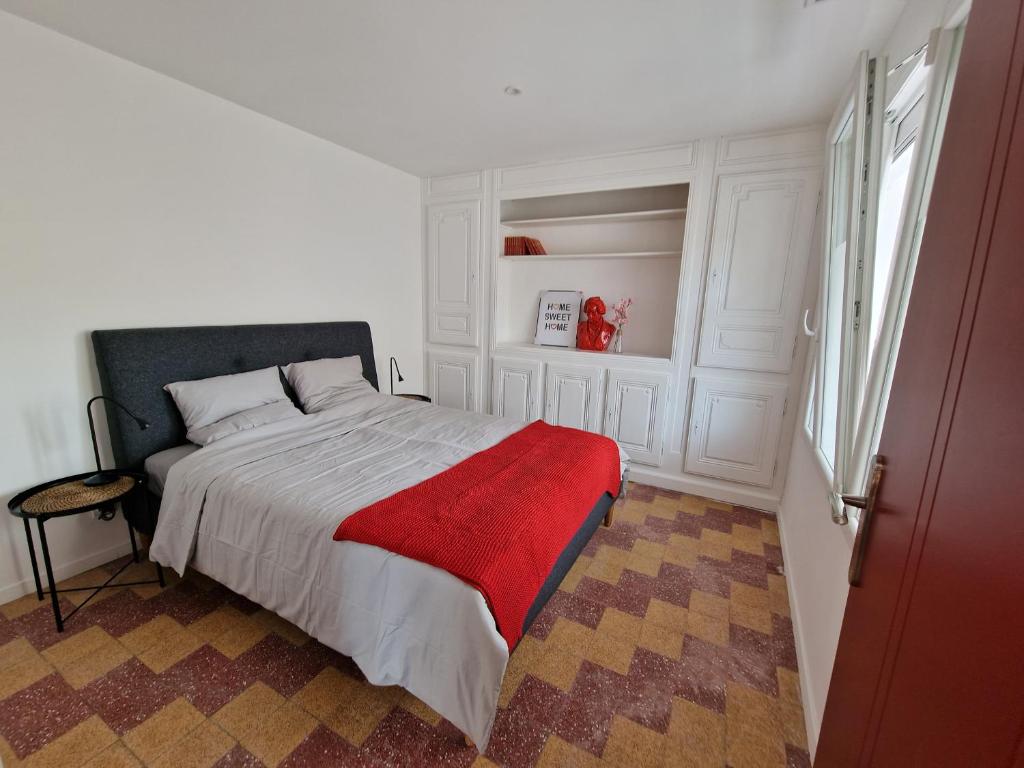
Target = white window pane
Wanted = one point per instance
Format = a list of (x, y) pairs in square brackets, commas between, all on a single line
[(890, 206), (842, 192)]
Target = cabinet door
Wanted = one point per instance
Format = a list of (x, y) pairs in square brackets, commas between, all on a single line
[(759, 247), (634, 411), (453, 380), (734, 430), (573, 396), (516, 388), (453, 262)]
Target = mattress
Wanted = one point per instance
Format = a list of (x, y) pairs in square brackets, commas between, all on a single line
[(256, 511), (159, 464)]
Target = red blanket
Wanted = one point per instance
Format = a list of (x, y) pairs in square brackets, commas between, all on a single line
[(500, 519)]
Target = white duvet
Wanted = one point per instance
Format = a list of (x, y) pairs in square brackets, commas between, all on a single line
[(257, 510)]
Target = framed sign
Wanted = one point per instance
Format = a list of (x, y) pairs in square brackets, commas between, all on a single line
[(557, 316)]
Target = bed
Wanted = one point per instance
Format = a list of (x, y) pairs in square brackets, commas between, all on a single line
[(256, 510)]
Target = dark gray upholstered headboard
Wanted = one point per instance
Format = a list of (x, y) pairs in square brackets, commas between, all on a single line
[(134, 365)]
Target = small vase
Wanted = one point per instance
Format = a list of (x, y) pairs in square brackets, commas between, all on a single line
[(617, 340)]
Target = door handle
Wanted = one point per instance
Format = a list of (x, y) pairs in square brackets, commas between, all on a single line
[(807, 328), (866, 504)]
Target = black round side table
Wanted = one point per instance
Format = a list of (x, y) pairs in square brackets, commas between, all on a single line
[(70, 496)]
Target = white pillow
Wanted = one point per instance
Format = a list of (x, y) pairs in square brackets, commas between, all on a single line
[(247, 419), (206, 401), (317, 382)]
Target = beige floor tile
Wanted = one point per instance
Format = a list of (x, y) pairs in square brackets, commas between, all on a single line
[(117, 755), (423, 711), (575, 574), (770, 533), (169, 650), (708, 628), (358, 717), (661, 640), (611, 653), (557, 667), (605, 571), (747, 539), (155, 736), (613, 555), (149, 634), (83, 742), (280, 626), (86, 669), (753, 731), (630, 745), (240, 639), (620, 625), (20, 666), (744, 594), (201, 748), (708, 604), (80, 644), (696, 737), (759, 619), (245, 711), (279, 734), (648, 566), (666, 615), (568, 637), (789, 686), (560, 754), (25, 604), (716, 544), (215, 624), (326, 692)]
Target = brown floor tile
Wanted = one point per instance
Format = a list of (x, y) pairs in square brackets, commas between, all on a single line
[(80, 744), (277, 735), (708, 605), (20, 666), (630, 744), (117, 755), (163, 730), (201, 748)]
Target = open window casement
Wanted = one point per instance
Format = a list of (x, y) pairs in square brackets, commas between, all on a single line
[(870, 256), (851, 184), (916, 116)]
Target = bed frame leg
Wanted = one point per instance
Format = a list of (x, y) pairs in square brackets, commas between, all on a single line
[(469, 741), (608, 516)]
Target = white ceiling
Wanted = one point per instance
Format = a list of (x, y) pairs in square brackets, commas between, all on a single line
[(419, 84)]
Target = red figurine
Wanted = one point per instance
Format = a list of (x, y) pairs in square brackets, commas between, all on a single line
[(595, 333)]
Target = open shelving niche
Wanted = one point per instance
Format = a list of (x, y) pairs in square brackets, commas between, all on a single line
[(612, 244)]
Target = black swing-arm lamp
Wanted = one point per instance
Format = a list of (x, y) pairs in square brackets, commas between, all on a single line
[(101, 477), (394, 367)]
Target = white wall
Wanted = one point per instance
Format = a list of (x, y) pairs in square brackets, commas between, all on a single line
[(817, 552), (129, 199)]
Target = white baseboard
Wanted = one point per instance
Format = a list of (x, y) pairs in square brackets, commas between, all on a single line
[(710, 489), (811, 707), (63, 571)]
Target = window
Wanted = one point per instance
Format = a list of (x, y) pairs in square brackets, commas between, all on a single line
[(878, 179)]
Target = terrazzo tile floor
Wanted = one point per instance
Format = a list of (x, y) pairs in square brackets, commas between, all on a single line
[(669, 643)]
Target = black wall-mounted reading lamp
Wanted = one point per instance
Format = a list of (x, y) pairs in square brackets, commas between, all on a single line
[(101, 477), (394, 368)]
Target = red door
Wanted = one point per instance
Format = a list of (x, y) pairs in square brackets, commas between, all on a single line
[(930, 665)]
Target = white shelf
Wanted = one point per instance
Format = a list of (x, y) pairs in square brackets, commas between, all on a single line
[(609, 358), (568, 256), (666, 213)]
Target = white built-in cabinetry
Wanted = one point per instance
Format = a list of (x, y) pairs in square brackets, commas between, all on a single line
[(711, 238), (573, 396)]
